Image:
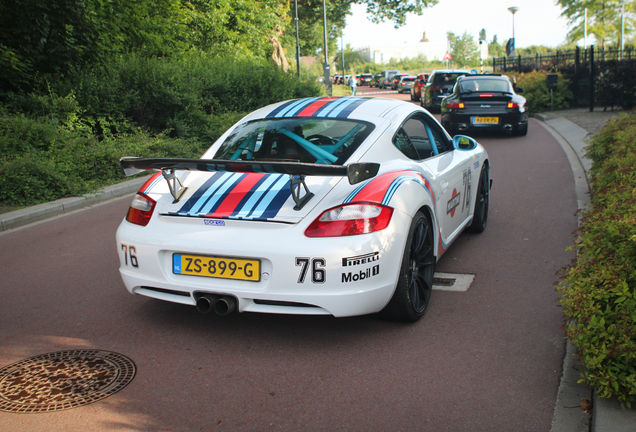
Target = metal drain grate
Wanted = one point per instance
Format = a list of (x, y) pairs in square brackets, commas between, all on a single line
[(62, 380)]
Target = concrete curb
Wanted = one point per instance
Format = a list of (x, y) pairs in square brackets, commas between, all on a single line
[(40, 212)]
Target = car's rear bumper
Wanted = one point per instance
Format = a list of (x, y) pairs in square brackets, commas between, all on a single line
[(358, 274), (467, 122)]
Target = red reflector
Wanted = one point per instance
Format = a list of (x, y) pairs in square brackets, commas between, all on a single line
[(350, 219), (513, 105), (485, 95)]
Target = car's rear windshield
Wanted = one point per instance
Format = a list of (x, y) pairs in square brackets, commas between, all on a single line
[(299, 139), (408, 79), (447, 78), (484, 85)]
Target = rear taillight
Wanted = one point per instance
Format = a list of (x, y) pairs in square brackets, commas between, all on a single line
[(140, 210), (459, 105), (350, 219), (512, 105)]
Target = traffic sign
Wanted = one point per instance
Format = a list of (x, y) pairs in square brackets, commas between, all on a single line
[(447, 56)]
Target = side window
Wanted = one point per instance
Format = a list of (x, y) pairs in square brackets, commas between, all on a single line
[(416, 131), (425, 137), (404, 144)]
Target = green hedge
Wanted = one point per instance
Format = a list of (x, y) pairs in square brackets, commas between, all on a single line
[(599, 288), (537, 93), (67, 138)]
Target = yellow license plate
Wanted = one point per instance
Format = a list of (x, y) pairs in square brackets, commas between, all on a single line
[(217, 267), (486, 120)]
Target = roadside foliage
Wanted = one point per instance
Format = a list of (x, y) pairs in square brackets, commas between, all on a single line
[(66, 139), (599, 287), (538, 96)]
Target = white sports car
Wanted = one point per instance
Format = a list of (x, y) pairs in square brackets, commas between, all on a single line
[(337, 206)]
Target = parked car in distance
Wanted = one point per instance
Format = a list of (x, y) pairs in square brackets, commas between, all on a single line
[(405, 83), (387, 77), (418, 84), (337, 79), (485, 102), (346, 79), (365, 79), (440, 84)]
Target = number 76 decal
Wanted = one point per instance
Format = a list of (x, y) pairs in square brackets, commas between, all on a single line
[(318, 274)]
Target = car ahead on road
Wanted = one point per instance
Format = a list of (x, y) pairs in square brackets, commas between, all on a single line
[(318, 206), (396, 80), (337, 79), (387, 78), (365, 79), (440, 84), (377, 79), (404, 86), (416, 88), (485, 102)]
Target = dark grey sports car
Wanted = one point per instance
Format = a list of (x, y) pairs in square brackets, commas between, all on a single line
[(485, 102)]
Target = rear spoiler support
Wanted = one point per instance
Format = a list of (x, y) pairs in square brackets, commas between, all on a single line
[(174, 184), (355, 172)]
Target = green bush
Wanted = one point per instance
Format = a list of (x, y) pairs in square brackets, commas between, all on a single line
[(599, 288), (67, 138), (179, 94), (537, 93)]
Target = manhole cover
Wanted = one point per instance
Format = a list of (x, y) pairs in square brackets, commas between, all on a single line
[(63, 380)]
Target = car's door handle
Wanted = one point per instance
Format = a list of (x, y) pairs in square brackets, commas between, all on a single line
[(444, 185)]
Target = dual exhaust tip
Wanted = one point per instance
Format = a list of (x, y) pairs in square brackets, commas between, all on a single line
[(221, 305)]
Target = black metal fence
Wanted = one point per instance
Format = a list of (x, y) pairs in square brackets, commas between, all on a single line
[(604, 77)]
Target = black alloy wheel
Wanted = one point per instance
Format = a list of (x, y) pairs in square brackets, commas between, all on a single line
[(480, 217), (415, 283)]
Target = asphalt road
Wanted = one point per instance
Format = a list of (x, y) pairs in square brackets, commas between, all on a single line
[(488, 359)]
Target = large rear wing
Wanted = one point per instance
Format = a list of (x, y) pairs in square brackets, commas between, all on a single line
[(355, 172)]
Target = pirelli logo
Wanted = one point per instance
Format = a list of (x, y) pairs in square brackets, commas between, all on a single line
[(361, 259)]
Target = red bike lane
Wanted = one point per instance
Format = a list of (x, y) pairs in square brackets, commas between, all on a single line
[(488, 359)]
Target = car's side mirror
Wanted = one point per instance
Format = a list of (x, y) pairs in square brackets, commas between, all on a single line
[(464, 143)]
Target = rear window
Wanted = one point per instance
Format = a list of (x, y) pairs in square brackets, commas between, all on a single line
[(302, 139), (408, 79), (446, 78), (484, 85)]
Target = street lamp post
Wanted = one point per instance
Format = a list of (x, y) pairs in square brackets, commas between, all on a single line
[(297, 40), (513, 10), (327, 74)]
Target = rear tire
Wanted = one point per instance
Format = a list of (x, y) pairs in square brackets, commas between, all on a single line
[(415, 283), (480, 217)]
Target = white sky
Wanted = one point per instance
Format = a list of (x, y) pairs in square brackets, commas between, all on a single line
[(538, 22)]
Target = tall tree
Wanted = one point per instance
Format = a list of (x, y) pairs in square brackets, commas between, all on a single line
[(464, 49), (310, 15), (603, 18), (495, 49)]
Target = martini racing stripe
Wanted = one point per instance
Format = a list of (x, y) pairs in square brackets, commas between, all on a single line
[(150, 183), (332, 107), (382, 188), (238, 196)]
